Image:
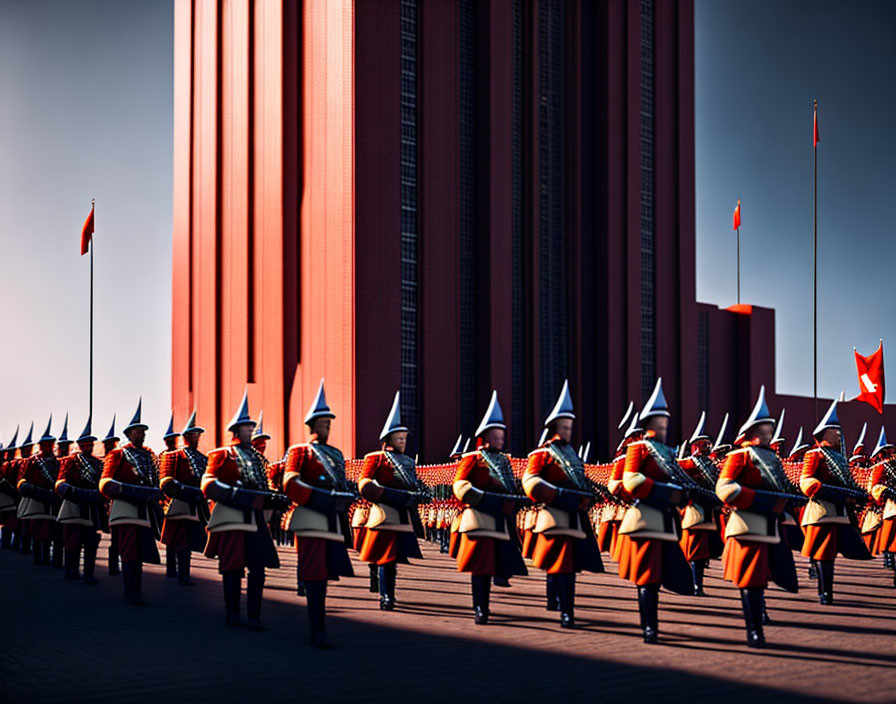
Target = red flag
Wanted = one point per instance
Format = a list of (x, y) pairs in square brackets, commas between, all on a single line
[(737, 216), (871, 378), (815, 139), (87, 233)]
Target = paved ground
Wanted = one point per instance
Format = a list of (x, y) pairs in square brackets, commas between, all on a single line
[(63, 641)]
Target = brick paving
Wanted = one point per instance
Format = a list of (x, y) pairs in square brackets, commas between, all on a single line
[(63, 641)]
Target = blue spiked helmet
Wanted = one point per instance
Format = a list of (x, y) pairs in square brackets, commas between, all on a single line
[(15, 437), (882, 443), (830, 420), (48, 435), (778, 437), (241, 417), (563, 407), (110, 436), (859, 448), (191, 426), (656, 405), (258, 433), (458, 448), (698, 433), (628, 413), (799, 444), (759, 415), (319, 407), (63, 436), (171, 432), (87, 434), (28, 442), (393, 421), (137, 420), (493, 418), (722, 439)]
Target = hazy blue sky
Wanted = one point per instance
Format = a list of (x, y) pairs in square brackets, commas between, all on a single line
[(86, 112)]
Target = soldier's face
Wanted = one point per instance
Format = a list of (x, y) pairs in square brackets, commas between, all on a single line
[(563, 428), (26, 451), (86, 447), (763, 433), (171, 443), (243, 433), (137, 436), (321, 428), (832, 436), (398, 440), (47, 446), (192, 438), (495, 438), (63, 448), (660, 427), (108, 445), (701, 447)]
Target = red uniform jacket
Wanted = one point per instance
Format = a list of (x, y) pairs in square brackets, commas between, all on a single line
[(117, 468), (30, 470), (175, 465)]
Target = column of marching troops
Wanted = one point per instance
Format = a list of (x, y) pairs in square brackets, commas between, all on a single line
[(661, 515)]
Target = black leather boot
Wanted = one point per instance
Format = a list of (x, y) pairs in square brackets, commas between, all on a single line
[(90, 562), (826, 582), (113, 556), (300, 584), (566, 596), (26, 544), (233, 586), (888, 560), (374, 578), (183, 569), (813, 569), (316, 591), (481, 584), (136, 598), (388, 574), (126, 579), (72, 558), (697, 569), (766, 619), (751, 601), (648, 605), (550, 588), (170, 563), (254, 594), (58, 551)]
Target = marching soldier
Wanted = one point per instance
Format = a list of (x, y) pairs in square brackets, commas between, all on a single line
[(186, 516), (882, 487), (315, 481), (16, 469), (37, 482), (608, 529), (170, 439), (555, 477), (634, 432), (652, 555), (236, 481), (82, 514), (9, 497), (698, 522), (485, 484), (832, 493), (754, 485), (110, 442), (130, 481), (389, 481)]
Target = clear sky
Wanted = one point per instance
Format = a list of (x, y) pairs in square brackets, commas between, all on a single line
[(85, 112)]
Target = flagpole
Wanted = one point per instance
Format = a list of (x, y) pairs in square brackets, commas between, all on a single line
[(815, 269), (92, 238), (738, 265)]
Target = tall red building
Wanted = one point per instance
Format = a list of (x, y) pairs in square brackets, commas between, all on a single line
[(443, 197)]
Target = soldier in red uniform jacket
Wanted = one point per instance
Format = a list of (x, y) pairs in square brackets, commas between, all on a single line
[(130, 480), (186, 516), (828, 520), (652, 555), (82, 514), (753, 484), (389, 481), (37, 482), (699, 524), (565, 542), (9, 497), (110, 442), (15, 472), (315, 481), (882, 487), (170, 439), (235, 480), (485, 485)]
